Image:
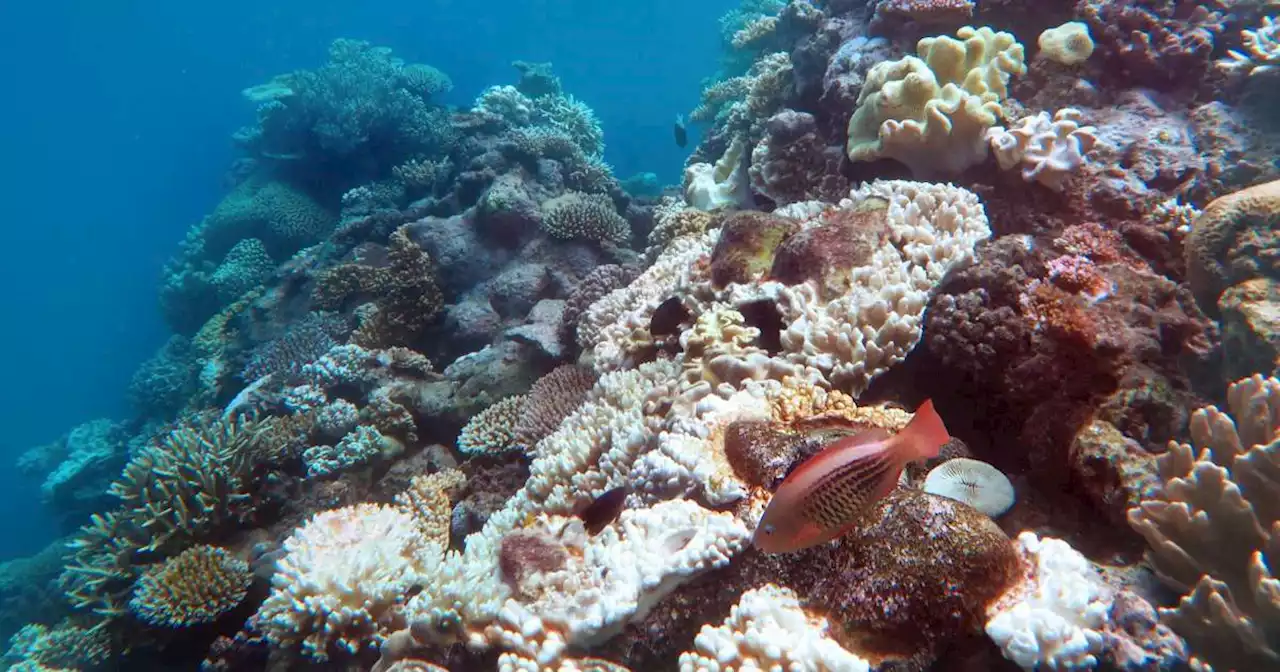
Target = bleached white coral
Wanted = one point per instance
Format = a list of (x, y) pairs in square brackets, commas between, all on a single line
[(768, 630), (344, 577), (618, 324), (1053, 620), (610, 579), (722, 185), (1262, 50), (931, 228), (361, 445), (1049, 150)]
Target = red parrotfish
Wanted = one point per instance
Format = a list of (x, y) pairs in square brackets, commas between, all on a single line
[(822, 498)]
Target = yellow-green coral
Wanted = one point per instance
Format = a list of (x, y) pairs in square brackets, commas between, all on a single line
[(931, 112)]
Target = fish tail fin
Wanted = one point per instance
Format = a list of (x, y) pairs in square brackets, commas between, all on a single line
[(925, 435)]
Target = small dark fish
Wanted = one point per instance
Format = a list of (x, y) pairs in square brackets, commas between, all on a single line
[(667, 317), (603, 510), (682, 133)]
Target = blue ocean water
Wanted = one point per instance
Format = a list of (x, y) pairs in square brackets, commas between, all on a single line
[(116, 135)]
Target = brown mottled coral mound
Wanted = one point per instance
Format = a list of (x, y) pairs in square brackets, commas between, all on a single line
[(747, 244), (194, 587), (915, 575)]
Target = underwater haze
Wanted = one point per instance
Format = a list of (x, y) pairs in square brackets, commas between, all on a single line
[(117, 139)]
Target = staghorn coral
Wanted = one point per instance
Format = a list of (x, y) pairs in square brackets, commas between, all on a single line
[(406, 296), (362, 445), (66, 646), (493, 429), (302, 343), (550, 401), (592, 287), (576, 215), (344, 577), (1213, 525), (1262, 50), (196, 586)]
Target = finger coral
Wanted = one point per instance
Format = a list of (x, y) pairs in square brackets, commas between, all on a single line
[(1214, 525), (196, 586)]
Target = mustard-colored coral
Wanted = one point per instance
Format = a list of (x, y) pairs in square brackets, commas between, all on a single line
[(493, 429), (1214, 530), (1068, 44), (196, 586), (429, 499), (932, 112)]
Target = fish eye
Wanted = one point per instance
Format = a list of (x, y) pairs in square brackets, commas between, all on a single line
[(768, 529)]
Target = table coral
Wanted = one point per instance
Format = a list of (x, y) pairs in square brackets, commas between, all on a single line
[(1213, 526)]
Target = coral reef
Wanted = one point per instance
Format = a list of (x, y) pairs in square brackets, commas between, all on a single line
[(444, 393)]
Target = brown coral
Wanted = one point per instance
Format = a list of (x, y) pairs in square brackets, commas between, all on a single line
[(197, 586), (827, 254), (1235, 238), (406, 298), (582, 216), (916, 573), (550, 401)]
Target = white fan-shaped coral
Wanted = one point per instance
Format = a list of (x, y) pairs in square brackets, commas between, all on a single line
[(973, 482)]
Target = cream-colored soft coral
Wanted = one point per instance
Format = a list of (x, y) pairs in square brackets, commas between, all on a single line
[(931, 112), (1049, 150), (1214, 529)]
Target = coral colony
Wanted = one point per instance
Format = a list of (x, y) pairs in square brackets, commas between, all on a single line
[(443, 395)]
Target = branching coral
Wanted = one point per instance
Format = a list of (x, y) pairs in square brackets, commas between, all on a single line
[(1262, 47), (343, 580), (1214, 529), (493, 429), (584, 216), (195, 586), (405, 295), (768, 629)]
